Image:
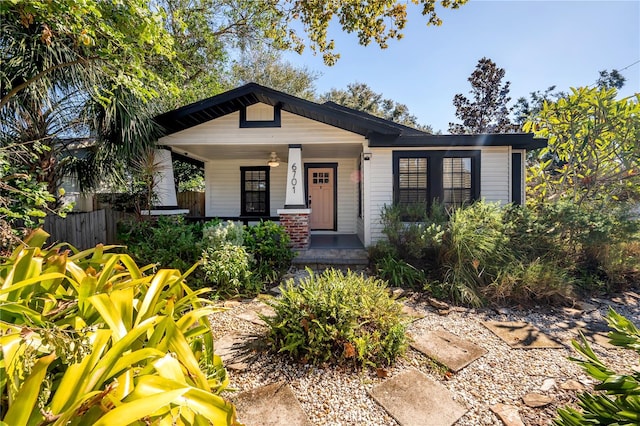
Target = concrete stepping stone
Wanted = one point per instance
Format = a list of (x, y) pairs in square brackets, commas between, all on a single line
[(508, 414), (521, 335), (594, 332), (413, 399), (253, 315), (447, 348), (270, 405), (535, 400), (237, 350)]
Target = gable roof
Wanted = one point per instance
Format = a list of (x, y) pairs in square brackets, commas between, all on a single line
[(252, 93), (379, 132)]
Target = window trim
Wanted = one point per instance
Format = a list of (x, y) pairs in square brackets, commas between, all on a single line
[(435, 181), (260, 124), (243, 194)]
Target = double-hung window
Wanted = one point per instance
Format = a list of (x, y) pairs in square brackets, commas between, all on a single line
[(452, 177), (254, 191)]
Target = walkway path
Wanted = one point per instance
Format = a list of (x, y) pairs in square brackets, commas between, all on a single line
[(407, 396)]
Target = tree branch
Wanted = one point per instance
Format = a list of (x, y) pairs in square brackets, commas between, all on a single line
[(40, 75)]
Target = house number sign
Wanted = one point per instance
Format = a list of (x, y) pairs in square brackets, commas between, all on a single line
[(294, 181)]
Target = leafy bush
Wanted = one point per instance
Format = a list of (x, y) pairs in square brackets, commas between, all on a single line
[(414, 231), (618, 403), (338, 318), (217, 233), (237, 259), (399, 273), (228, 267), (491, 253), (168, 241), (89, 338), (475, 250), (270, 246)]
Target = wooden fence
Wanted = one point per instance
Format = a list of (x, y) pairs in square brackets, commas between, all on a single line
[(194, 201), (85, 230)]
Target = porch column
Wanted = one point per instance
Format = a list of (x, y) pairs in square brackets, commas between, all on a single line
[(166, 202), (165, 187), (295, 215), (295, 196)]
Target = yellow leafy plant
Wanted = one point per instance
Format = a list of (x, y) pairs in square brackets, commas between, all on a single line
[(90, 338)]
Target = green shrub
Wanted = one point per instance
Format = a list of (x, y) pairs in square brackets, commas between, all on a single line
[(491, 253), (270, 246), (338, 318), (168, 241), (217, 233), (414, 232), (475, 250), (399, 273), (228, 267), (617, 401), (89, 338)]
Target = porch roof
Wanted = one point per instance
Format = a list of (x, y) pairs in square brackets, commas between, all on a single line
[(379, 132)]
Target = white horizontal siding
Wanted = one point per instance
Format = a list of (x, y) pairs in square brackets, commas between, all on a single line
[(294, 130), (380, 188), (223, 188), (495, 180)]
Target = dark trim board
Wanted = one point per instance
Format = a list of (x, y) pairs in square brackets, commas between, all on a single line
[(515, 140), (516, 178), (333, 166)]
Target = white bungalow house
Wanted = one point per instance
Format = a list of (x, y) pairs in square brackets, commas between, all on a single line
[(323, 169)]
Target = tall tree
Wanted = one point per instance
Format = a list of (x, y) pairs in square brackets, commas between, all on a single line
[(593, 156), (108, 69), (361, 97), (488, 110), (266, 66)]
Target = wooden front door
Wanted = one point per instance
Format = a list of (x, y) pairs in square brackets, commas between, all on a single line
[(321, 197)]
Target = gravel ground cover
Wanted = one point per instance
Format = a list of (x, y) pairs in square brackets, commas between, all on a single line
[(339, 395)]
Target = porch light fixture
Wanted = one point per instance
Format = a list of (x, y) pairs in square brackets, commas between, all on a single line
[(274, 160)]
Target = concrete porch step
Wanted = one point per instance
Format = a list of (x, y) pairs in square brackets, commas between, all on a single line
[(356, 258)]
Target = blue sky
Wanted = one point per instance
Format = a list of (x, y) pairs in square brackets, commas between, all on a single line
[(538, 43)]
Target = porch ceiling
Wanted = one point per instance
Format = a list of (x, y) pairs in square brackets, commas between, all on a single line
[(251, 152)]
